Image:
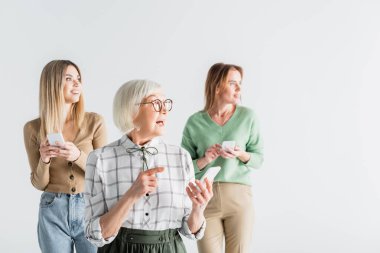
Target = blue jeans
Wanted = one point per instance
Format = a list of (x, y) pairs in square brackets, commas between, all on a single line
[(61, 224)]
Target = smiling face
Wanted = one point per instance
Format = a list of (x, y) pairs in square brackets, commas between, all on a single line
[(150, 122), (230, 90), (72, 85)]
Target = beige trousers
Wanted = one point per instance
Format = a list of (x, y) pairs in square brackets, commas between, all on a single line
[(229, 216)]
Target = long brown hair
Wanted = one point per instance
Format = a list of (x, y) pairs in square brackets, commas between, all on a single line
[(52, 101), (216, 77)]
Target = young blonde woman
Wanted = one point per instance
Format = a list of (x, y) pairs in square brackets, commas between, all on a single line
[(139, 190), (58, 169), (229, 214)]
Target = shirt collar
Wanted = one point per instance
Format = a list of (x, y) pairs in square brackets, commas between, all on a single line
[(127, 143)]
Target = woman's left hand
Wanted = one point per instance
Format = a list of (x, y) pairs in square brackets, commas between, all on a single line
[(231, 152), (200, 193), (235, 152), (68, 151)]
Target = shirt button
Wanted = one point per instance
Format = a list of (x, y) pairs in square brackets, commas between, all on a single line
[(70, 164), (73, 189), (147, 194), (72, 177), (146, 214)]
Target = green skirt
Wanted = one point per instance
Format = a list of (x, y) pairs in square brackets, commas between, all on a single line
[(135, 240)]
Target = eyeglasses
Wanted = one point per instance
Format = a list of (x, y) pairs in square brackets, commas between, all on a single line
[(157, 104)]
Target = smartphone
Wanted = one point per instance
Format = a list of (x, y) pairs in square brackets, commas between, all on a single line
[(54, 137), (228, 144), (211, 173)]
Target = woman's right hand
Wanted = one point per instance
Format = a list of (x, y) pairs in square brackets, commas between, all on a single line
[(212, 153), (146, 182), (47, 151)]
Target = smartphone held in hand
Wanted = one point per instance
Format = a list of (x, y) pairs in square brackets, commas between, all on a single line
[(53, 138), (228, 144), (211, 173)]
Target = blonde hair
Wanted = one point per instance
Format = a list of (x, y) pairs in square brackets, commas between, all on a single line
[(216, 78), (52, 100), (127, 99)]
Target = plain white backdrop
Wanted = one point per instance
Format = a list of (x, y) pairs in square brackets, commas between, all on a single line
[(311, 74)]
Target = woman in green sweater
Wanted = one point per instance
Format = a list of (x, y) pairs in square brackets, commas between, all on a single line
[(229, 214)]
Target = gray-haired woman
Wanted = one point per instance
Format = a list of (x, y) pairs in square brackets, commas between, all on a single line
[(139, 190)]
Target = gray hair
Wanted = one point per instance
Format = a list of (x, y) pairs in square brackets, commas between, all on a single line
[(127, 98)]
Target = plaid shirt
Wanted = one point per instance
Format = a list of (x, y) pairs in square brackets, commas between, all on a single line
[(111, 171)]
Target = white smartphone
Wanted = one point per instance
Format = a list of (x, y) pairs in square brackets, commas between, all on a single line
[(211, 173), (54, 137), (228, 144)]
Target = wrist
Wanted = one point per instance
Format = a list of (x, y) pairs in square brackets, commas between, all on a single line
[(48, 162), (202, 163), (198, 210), (132, 195), (197, 215), (244, 157), (206, 161), (80, 152)]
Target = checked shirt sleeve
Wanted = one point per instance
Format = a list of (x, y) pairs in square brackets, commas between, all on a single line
[(95, 202)]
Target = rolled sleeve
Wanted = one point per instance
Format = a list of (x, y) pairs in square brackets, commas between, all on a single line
[(185, 230), (94, 233)]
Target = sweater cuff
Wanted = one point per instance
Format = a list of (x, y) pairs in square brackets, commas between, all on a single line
[(195, 165), (81, 161), (254, 161)]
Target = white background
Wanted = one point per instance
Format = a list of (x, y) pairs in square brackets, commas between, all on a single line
[(312, 76)]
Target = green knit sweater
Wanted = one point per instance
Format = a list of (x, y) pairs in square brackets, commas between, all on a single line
[(201, 132)]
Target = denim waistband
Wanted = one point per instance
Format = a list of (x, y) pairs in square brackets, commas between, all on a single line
[(61, 195)]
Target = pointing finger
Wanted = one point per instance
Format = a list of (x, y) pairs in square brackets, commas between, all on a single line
[(154, 171)]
